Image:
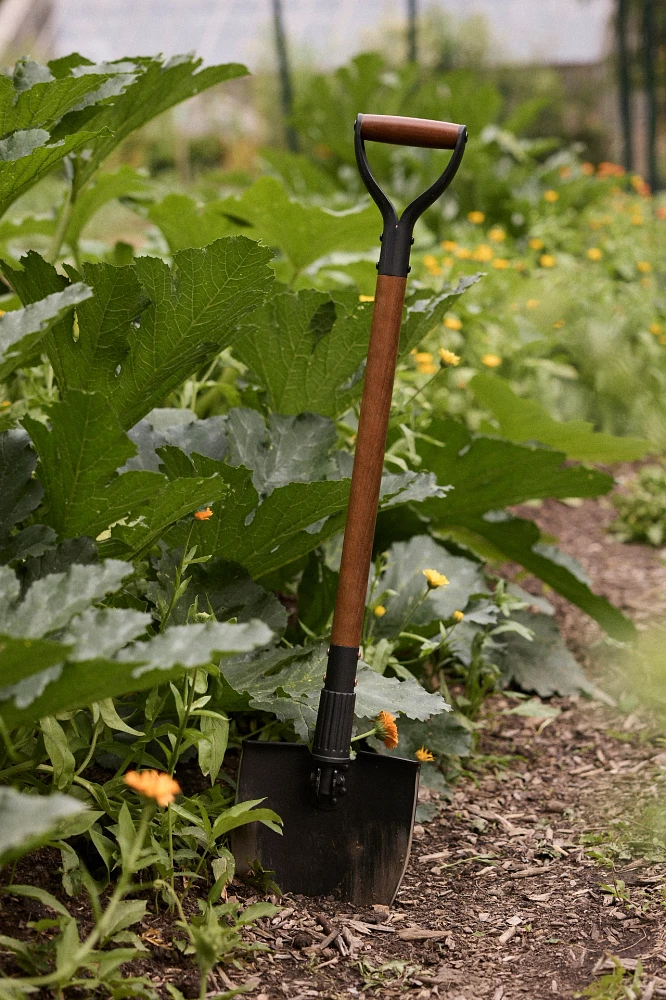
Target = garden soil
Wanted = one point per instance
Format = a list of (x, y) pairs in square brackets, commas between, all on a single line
[(504, 897)]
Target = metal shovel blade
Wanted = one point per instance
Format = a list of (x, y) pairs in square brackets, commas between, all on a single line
[(357, 851)]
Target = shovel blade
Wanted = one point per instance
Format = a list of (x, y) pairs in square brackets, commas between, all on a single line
[(357, 851)]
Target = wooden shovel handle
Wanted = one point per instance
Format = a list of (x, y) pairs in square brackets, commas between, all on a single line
[(409, 131), (368, 461)]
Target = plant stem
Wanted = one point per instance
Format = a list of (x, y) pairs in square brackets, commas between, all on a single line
[(88, 757), (177, 580), (61, 228)]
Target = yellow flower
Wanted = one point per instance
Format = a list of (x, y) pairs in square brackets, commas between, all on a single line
[(379, 610), (655, 328), (458, 616), (594, 253), (366, 298), (431, 264), (587, 169), (154, 785), (496, 234), (6, 402), (449, 245), (386, 729), (476, 217), (501, 263), (427, 369), (595, 224), (491, 361), (536, 243), (644, 266), (423, 357), (435, 579), (453, 323), (423, 755), (462, 253), (483, 252), (550, 196), (558, 324), (532, 303), (448, 357), (547, 260), (203, 515), (637, 220)]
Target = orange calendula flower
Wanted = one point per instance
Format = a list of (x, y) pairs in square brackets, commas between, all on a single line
[(423, 755), (587, 169), (501, 263), (448, 357), (644, 266), (453, 323), (386, 729), (153, 785), (594, 253), (203, 515), (458, 615), (435, 579), (491, 360), (496, 234), (547, 260), (551, 196), (656, 328), (463, 253), (476, 218), (536, 243), (449, 245), (483, 253)]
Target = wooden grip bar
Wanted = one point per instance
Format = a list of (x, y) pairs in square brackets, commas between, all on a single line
[(368, 460), (409, 131)]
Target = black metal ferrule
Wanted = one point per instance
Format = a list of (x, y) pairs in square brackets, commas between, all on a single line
[(397, 234), (335, 718)]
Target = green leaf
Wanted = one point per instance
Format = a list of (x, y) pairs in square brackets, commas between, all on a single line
[(489, 475), (56, 745), (526, 420), (156, 86), (19, 492), (213, 746), (122, 183), (425, 312), (544, 665), (519, 540), (243, 813), (184, 224), (83, 492), (21, 657), (375, 693), (26, 821), (51, 603), (101, 632), (413, 604), (306, 349), (22, 330), (136, 667), (303, 233), (447, 734), (534, 709)]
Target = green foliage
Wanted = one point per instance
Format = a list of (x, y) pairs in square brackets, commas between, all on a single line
[(641, 507), (28, 820)]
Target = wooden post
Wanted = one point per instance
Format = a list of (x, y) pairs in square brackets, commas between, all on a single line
[(286, 90), (624, 82)]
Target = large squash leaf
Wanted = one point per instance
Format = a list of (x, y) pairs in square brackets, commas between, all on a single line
[(149, 327), (23, 330), (523, 420), (79, 455)]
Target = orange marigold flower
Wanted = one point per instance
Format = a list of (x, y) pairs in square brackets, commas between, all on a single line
[(203, 515), (154, 785), (606, 169), (386, 729), (423, 754)]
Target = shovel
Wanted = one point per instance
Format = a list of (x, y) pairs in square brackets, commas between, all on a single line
[(348, 822)]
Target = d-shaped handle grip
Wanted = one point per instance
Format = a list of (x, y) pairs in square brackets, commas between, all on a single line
[(409, 131)]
